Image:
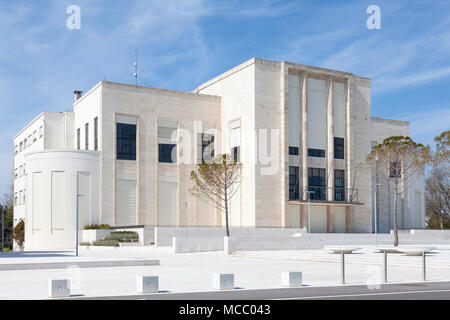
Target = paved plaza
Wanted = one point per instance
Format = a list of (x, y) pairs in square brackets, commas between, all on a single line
[(181, 273)]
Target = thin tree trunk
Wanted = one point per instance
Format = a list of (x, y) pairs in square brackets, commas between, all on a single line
[(226, 212), (395, 215)]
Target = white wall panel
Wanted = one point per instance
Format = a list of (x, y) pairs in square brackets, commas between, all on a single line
[(339, 109), (293, 217), (40, 197), (84, 199), (126, 202), (340, 220), (205, 214), (318, 219), (58, 200), (317, 113), (294, 110), (167, 203)]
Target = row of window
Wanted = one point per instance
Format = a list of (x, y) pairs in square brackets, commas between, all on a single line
[(19, 198), (19, 172), (29, 140), (167, 149), (86, 136), (316, 184), (320, 153)]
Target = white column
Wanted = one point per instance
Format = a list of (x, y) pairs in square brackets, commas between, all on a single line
[(330, 142)]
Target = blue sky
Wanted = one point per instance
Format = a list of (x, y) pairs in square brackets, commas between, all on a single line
[(182, 43)]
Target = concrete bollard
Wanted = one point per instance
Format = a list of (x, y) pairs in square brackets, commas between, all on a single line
[(147, 284), (58, 288), (291, 279), (222, 281)]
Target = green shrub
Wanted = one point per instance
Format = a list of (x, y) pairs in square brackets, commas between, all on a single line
[(85, 244), (106, 243), (97, 226), (19, 233), (123, 236)]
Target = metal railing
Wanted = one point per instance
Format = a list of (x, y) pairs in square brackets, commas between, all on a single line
[(326, 194)]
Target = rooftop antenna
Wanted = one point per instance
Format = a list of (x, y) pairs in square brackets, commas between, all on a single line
[(135, 66)]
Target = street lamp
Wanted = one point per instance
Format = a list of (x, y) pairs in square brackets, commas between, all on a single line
[(309, 209), (76, 225)]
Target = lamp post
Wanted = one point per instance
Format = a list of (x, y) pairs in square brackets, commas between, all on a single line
[(76, 224), (309, 209)]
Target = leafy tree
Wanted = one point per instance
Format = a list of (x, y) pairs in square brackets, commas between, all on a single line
[(216, 182), (400, 161), (437, 189), (19, 233), (8, 207)]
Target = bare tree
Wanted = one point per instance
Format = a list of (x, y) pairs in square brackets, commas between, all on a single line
[(400, 160), (216, 182), (437, 189)]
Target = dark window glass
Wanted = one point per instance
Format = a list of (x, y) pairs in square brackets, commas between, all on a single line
[(319, 153), (339, 185), (86, 136), (207, 147), (395, 170), (316, 183), (126, 141), (167, 153), (293, 151), (294, 193), (78, 139), (339, 148), (236, 153), (95, 133)]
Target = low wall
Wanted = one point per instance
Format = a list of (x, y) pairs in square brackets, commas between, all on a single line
[(190, 245), (164, 235), (92, 235)]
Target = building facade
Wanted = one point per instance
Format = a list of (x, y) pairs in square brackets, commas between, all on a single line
[(124, 155)]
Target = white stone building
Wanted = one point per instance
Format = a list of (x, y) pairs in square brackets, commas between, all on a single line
[(124, 155)]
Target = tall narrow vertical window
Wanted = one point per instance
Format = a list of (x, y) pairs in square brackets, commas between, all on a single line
[(235, 140), (86, 136), (96, 133), (339, 185), (207, 140), (339, 148), (236, 153), (126, 141), (78, 139), (316, 183), (167, 141), (294, 187)]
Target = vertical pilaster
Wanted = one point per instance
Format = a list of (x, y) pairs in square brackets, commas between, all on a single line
[(349, 166), (284, 141), (330, 141), (304, 136), (330, 219)]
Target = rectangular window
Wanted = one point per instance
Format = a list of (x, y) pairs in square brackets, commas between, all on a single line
[(34, 136), (319, 153), (78, 139), (29, 140), (395, 170), (294, 186), (207, 147), (236, 153), (41, 131), (293, 151), (96, 133), (16, 199), (126, 141), (339, 148), (167, 153), (25, 143), (316, 183), (86, 136), (20, 197), (16, 149), (21, 146), (339, 185), (16, 173), (167, 141)]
